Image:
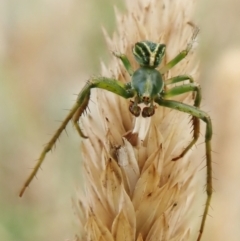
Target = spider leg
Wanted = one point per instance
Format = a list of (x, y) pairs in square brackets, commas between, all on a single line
[(49, 147), (111, 85), (75, 113), (177, 90), (199, 114), (182, 54), (125, 61), (178, 78), (181, 89)]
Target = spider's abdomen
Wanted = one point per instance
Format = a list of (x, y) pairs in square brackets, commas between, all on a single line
[(147, 82)]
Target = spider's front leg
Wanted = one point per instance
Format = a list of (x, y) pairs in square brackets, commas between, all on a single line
[(198, 114), (75, 113), (109, 84)]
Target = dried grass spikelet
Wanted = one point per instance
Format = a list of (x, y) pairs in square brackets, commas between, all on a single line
[(133, 191)]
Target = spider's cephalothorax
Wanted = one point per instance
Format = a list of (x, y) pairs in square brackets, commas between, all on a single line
[(148, 54), (146, 81), (146, 86)]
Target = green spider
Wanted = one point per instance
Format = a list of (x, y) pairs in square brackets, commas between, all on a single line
[(146, 86)]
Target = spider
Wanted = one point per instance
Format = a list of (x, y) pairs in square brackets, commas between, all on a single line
[(146, 86)]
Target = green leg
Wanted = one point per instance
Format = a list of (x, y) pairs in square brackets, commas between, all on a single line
[(75, 113), (111, 85), (178, 78), (125, 62), (177, 90), (182, 54), (199, 114)]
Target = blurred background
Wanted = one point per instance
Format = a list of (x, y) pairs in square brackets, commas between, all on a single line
[(48, 49)]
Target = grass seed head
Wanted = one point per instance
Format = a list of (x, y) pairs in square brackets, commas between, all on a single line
[(133, 191)]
